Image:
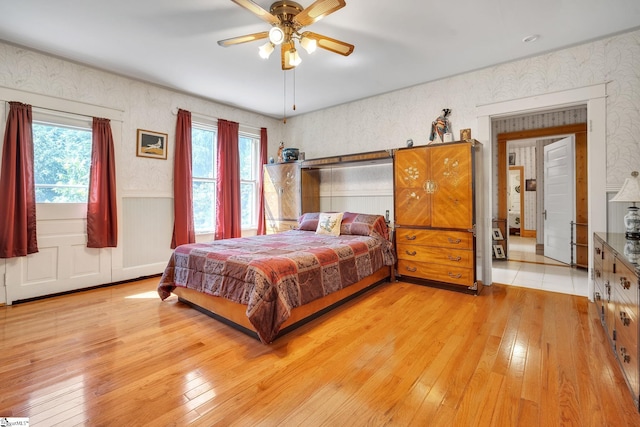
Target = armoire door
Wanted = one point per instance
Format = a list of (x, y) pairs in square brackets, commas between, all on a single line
[(412, 200), (451, 186)]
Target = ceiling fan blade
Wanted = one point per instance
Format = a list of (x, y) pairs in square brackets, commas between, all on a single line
[(243, 39), (317, 10), (257, 10), (284, 48), (330, 44)]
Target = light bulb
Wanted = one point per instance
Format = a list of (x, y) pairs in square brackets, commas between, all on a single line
[(276, 35), (265, 50), (308, 44)]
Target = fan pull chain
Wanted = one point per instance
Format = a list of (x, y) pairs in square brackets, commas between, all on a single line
[(294, 89), (284, 98)]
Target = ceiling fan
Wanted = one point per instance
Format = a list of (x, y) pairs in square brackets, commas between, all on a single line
[(287, 19)]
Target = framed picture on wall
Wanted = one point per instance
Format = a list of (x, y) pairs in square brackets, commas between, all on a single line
[(151, 144), (512, 159), (530, 185)]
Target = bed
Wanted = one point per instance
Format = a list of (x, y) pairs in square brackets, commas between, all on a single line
[(267, 285)]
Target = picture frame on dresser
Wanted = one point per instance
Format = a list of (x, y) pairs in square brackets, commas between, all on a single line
[(498, 251)]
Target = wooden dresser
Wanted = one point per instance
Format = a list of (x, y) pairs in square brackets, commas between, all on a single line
[(289, 191), (616, 277), (435, 214)]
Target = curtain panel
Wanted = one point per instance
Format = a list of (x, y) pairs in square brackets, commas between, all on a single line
[(102, 211), (183, 225), (17, 185), (228, 220), (262, 228)]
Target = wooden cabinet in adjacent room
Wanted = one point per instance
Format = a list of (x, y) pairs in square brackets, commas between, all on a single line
[(616, 277), (289, 191), (435, 213)]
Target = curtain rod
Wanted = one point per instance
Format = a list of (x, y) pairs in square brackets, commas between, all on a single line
[(210, 117)]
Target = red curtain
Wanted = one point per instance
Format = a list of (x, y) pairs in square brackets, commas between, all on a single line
[(17, 185), (228, 221), (262, 229), (102, 212), (183, 226)]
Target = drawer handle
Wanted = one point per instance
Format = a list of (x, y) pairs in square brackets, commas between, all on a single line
[(624, 318), (455, 276), (454, 258), (412, 269), (598, 250), (626, 284), (625, 357), (455, 241), (411, 237), (411, 253)]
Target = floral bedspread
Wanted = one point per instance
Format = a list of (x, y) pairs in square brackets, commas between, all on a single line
[(273, 274)]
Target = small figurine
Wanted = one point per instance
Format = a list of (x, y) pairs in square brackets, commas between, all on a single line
[(440, 126), (280, 148)]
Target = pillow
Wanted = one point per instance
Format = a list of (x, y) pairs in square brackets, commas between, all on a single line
[(329, 223), (308, 221), (364, 225)]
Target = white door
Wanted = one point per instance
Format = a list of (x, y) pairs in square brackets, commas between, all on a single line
[(559, 199)]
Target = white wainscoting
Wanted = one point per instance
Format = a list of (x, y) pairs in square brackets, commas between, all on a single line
[(147, 224)]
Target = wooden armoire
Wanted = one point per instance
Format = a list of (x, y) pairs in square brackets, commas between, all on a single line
[(435, 214), (289, 191)]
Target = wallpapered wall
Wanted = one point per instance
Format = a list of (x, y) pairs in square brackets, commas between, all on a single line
[(388, 120), (145, 106)]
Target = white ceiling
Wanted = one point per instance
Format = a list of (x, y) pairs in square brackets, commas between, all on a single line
[(397, 43)]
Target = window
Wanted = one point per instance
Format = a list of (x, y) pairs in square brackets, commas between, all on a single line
[(62, 159), (203, 165), (249, 147), (203, 153)]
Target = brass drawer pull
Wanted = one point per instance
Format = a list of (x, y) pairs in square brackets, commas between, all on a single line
[(454, 258), (411, 253), (625, 357), (411, 237), (626, 284), (455, 241), (412, 269), (455, 276), (624, 318)]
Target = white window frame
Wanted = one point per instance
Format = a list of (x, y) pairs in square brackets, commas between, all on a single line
[(214, 129)]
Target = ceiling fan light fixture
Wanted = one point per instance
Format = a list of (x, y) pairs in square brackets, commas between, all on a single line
[(265, 50), (309, 44), (292, 58), (276, 35)]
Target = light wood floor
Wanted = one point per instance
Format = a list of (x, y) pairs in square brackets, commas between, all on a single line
[(400, 355)]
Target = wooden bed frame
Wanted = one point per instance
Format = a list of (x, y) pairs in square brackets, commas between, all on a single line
[(234, 314)]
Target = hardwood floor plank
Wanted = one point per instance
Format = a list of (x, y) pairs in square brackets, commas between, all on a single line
[(399, 355)]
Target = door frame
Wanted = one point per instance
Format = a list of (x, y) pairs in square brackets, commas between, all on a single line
[(581, 178)]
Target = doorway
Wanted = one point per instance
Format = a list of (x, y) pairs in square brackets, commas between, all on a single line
[(580, 232)]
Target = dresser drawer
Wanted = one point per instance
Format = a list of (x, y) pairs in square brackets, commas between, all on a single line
[(441, 273), (626, 284), (444, 256), (627, 351), (437, 238)]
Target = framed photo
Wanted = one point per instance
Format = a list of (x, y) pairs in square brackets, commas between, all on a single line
[(512, 159), (498, 252), (497, 234), (151, 144), (465, 134), (530, 185)]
